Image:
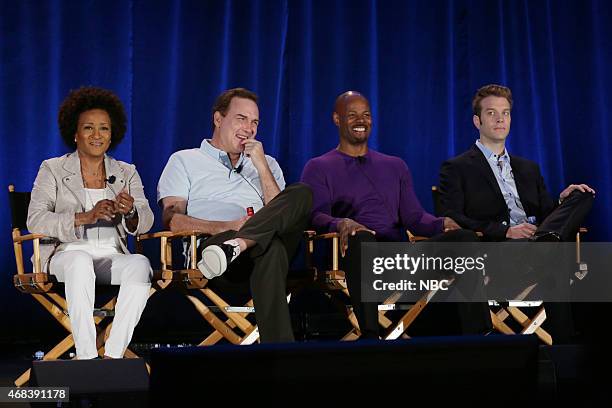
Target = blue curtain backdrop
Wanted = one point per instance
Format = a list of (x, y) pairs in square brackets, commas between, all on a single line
[(419, 62)]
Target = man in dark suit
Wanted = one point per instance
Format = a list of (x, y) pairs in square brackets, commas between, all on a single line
[(501, 195)]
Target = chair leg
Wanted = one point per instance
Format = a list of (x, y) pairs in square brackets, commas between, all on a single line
[(60, 315), (532, 325), (58, 309), (250, 336), (354, 334), (23, 379), (499, 324), (407, 319), (385, 322), (242, 323), (234, 318), (59, 349), (214, 321), (529, 325)]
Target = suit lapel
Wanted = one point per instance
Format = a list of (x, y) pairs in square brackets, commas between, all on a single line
[(72, 178), (484, 168)]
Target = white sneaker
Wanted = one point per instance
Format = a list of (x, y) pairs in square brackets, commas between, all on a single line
[(216, 258)]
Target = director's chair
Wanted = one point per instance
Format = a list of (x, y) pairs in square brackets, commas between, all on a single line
[(334, 279), (525, 320), (235, 324), (45, 288)]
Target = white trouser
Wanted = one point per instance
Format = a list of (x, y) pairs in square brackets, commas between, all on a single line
[(79, 271)]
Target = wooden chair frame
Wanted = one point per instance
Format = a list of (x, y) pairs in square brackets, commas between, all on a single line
[(501, 312), (334, 279), (234, 326), (43, 288)]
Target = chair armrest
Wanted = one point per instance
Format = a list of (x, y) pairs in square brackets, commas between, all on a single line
[(34, 282), (28, 237), (312, 235), (18, 241), (169, 234), (165, 238), (414, 238), (417, 238)]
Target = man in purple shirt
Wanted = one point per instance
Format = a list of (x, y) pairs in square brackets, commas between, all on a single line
[(368, 196)]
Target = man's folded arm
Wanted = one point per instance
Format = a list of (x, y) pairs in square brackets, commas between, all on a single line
[(175, 219)]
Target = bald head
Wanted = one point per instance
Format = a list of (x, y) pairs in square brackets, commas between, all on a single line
[(343, 99), (353, 117)]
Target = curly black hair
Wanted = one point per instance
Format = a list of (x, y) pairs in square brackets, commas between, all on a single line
[(88, 98)]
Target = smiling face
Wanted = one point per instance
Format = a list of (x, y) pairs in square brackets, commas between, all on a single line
[(494, 120), (240, 122), (354, 120), (93, 136)]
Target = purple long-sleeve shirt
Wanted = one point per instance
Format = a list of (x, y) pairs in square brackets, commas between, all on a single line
[(375, 190)]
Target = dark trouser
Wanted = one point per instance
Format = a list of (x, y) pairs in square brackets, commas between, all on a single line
[(475, 317), (565, 220), (276, 229)]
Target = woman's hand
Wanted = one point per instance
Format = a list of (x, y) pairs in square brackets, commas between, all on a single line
[(103, 210), (123, 203)]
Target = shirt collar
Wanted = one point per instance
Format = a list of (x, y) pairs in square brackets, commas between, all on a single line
[(219, 155), (366, 156), (489, 155)]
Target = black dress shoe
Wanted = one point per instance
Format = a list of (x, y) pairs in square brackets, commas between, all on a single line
[(549, 236)]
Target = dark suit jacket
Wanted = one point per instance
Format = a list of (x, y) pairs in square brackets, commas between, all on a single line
[(470, 195)]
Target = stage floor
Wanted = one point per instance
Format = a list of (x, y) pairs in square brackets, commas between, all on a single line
[(564, 372)]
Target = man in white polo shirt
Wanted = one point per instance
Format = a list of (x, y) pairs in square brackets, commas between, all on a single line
[(211, 188)]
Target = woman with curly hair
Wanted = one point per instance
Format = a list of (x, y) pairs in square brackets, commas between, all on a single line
[(88, 202)]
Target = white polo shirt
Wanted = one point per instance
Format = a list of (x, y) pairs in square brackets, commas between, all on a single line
[(213, 189)]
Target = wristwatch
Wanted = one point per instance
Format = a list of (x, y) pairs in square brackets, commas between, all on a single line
[(131, 213)]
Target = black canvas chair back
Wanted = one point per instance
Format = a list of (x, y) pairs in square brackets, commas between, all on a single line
[(19, 202)]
